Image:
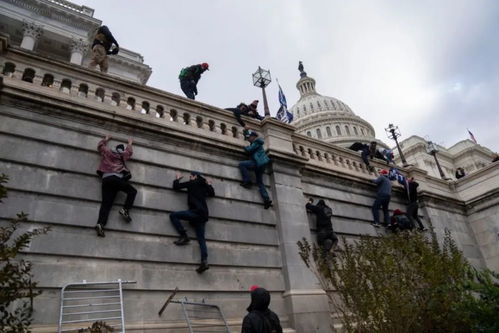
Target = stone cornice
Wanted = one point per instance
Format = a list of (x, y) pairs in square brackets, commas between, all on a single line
[(57, 11)]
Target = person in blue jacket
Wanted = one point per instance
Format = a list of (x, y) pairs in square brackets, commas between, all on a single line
[(258, 162)]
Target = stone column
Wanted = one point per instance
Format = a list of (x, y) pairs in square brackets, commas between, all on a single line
[(31, 34), (307, 304), (78, 48)]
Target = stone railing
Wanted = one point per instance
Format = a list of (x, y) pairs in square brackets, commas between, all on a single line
[(115, 95)]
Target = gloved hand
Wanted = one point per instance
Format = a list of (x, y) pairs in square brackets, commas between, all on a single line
[(115, 50)]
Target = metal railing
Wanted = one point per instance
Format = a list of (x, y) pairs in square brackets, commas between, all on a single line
[(85, 303)]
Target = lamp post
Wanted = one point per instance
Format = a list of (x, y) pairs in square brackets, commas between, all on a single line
[(393, 133), (261, 79), (432, 149)]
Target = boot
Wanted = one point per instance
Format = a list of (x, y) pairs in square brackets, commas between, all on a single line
[(125, 214), (267, 204), (183, 240), (202, 267), (100, 230)]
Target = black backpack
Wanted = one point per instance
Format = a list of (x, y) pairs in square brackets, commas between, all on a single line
[(328, 211)]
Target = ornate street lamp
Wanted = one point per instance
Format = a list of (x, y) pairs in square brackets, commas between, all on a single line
[(393, 133), (432, 149), (261, 79)]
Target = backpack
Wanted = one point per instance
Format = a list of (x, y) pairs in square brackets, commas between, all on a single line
[(403, 222), (183, 72), (328, 211)]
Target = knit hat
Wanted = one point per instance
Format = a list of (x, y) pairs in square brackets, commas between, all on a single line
[(253, 287), (196, 173), (205, 65)]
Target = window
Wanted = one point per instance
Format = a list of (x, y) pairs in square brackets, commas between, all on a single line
[(355, 130), (338, 130), (145, 108), (328, 131), (309, 134), (115, 99), (160, 112), (347, 129), (362, 131), (319, 134), (99, 94), (130, 103)]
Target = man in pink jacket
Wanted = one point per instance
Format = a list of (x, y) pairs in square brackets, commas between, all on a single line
[(115, 176)]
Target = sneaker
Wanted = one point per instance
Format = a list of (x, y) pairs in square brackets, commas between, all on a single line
[(100, 230), (376, 225), (267, 204), (125, 214), (183, 240), (203, 267), (246, 184)]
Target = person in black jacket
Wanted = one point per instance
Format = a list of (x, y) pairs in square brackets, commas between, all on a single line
[(245, 110), (260, 318), (101, 47), (366, 152), (412, 205), (189, 78), (326, 238), (198, 188)]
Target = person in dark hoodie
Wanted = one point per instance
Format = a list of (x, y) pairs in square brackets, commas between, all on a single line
[(412, 205), (383, 195), (101, 47), (258, 162), (326, 238), (115, 176), (260, 318), (189, 77), (366, 152), (198, 189)]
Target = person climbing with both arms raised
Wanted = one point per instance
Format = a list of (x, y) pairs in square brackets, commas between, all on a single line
[(198, 189), (258, 162), (189, 77), (383, 195), (115, 176), (326, 238), (245, 110)]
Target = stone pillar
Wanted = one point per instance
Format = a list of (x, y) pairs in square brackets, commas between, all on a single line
[(31, 33), (306, 303), (78, 48)]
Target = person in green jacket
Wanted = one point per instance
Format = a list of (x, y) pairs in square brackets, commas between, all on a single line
[(258, 162), (189, 78)]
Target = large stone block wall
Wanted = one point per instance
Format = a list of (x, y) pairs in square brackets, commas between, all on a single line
[(48, 149)]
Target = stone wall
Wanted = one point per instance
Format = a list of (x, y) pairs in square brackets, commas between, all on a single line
[(49, 138)]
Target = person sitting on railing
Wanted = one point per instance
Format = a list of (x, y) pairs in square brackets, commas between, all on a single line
[(326, 238), (198, 189), (260, 319), (101, 47), (189, 77), (115, 176), (258, 162)]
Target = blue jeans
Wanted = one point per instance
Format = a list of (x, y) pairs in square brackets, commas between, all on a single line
[(244, 166), (381, 201), (199, 227)]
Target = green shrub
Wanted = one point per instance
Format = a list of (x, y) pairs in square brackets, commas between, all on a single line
[(17, 290), (405, 282)]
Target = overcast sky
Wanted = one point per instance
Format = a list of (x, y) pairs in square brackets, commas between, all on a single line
[(430, 67)]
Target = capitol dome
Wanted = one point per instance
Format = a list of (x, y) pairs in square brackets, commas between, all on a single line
[(327, 118)]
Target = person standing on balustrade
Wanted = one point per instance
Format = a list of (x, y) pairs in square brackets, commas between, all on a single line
[(101, 47), (198, 189), (189, 77), (115, 177)]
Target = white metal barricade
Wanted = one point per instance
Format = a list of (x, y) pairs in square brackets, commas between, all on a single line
[(85, 303)]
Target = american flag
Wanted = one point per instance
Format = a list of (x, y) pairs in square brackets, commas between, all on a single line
[(283, 114), (472, 137)]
